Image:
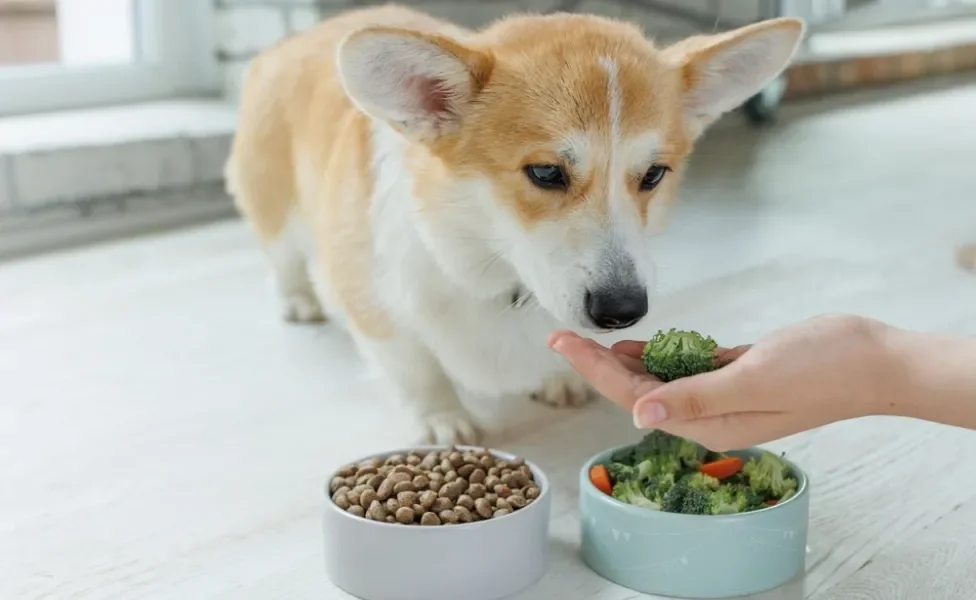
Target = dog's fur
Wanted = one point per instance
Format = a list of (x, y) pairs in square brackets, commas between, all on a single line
[(966, 257), (381, 159)]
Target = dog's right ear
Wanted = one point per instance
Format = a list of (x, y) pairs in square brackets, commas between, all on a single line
[(417, 82)]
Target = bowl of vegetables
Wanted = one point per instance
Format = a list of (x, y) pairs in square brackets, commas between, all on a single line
[(666, 516)]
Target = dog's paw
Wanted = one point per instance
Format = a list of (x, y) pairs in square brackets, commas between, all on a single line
[(966, 257), (450, 427), (301, 308), (565, 391)]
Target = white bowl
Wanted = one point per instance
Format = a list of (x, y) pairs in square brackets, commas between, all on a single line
[(484, 560)]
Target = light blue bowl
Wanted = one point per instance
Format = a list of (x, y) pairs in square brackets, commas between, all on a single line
[(693, 556)]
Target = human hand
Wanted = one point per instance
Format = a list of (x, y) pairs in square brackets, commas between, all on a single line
[(803, 376)]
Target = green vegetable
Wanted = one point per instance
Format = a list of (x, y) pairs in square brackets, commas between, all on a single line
[(630, 492), (675, 354), (770, 476), (668, 451), (661, 472)]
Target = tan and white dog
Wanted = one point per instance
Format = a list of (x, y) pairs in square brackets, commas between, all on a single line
[(452, 196)]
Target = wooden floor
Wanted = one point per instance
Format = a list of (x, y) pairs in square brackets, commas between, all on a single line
[(164, 437)]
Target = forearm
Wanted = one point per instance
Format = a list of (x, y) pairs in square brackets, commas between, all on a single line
[(933, 377)]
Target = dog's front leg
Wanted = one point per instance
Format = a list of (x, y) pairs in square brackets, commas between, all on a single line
[(420, 383)]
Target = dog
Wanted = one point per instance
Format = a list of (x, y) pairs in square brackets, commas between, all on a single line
[(450, 197), (966, 257)]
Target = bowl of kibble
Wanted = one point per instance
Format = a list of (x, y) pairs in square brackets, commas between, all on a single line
[(667, 516), (437, 523)]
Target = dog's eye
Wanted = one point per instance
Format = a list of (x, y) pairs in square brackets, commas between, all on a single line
[(548, 177), (653, 177)]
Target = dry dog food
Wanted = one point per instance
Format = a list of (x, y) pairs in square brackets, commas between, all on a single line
[(437, 488)]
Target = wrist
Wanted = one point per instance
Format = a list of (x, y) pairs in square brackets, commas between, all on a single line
[(928, 376)]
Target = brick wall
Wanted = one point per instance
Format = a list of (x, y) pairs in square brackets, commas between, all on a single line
[(244, 27)]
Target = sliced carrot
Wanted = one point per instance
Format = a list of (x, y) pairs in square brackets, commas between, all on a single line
[(771, 502), (722, 468), (600, 478)]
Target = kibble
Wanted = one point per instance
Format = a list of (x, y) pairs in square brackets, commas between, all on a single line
[(441, 504), (405, 515), (367, 498), (477, 476), (342, 501), (448, 487), (376, 511), (386, 489), (428, 498)]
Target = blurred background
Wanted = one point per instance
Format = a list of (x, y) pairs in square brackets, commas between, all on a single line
[(160, 429)]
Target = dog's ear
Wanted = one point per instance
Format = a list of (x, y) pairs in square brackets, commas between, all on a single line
[(720, 72), (417, 82)]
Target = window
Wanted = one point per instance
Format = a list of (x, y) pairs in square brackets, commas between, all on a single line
[(60, 54)]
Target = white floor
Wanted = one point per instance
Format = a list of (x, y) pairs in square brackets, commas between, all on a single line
[(163, 436)]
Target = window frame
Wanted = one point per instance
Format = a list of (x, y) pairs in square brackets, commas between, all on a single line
[(175, 57)]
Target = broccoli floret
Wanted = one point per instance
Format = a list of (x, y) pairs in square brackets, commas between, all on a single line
[(701, 481), (675, 354), (630, 492), (696, 502), (668, 449), (673, 499), (732, 499), (770, 476), (620, 472), (656, 487)]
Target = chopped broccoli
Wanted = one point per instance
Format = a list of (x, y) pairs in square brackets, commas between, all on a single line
[(656, 487), (661, 472), (696, 502), (667, 448), (770, 476), (675, 354), (732, 499), (630, 492), (701, 481), (620, 471)]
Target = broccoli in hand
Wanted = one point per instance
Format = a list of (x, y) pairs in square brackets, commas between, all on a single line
[(675, 354)]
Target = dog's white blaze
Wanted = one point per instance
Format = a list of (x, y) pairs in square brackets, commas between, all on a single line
[(613, 101)]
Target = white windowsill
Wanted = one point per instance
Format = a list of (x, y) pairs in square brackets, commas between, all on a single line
[(78, 176)]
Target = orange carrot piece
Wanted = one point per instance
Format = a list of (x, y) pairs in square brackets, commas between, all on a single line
[(722, 468), (771, 502), (600, 478)]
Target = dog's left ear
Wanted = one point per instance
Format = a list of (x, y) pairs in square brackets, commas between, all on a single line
[(720, 72), (419, 83)]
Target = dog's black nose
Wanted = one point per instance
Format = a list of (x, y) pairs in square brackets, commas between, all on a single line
[(616, 308)]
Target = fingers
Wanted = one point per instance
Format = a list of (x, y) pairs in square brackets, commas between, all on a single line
[(735, 431), (629, 348), (605, 370), (691, 398), (724, 356)]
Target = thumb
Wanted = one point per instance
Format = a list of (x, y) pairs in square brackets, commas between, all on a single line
[(707, 395)]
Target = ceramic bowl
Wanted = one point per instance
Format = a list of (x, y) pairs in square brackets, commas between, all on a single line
[(693, 556), (485, 560)]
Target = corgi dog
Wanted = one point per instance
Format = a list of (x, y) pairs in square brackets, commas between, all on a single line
[(450, 197)]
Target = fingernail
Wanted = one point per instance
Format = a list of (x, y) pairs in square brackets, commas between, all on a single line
[(649, 414), (555, 338)]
